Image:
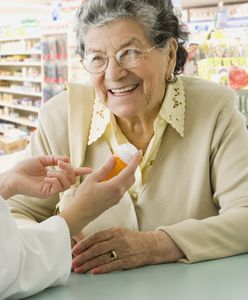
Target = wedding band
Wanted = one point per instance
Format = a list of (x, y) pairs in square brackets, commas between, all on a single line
[(112, 255)]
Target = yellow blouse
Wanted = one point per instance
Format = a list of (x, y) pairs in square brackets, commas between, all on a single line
[(172, 112)]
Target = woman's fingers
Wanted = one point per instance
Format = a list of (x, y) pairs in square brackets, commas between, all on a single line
[(94, 264), (102, 172), (132, 166), (129, 171), (91, 240), (76, 239), (120, 248), (91, 251), (108, 267)]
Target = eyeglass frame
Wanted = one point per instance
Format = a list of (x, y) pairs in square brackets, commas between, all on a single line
[(144, 52)]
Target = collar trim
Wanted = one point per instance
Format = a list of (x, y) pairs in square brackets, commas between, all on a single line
[(99, 121), (172, 110), (175, 105)]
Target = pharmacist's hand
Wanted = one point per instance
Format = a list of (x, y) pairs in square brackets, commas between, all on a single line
[(31, 177), (119, 248), (94, 195), (100, 195)]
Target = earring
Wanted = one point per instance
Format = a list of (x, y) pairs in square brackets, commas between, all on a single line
[(171, 79)]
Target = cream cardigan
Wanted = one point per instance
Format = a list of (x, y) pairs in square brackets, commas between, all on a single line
[(198, 188)]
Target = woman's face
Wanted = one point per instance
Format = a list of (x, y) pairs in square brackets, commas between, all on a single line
[(129, 92)]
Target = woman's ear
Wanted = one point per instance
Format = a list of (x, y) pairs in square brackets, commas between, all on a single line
[(172, 56)]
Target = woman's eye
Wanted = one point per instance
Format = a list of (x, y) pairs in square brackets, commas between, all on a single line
[(95, 58), (129, 54)]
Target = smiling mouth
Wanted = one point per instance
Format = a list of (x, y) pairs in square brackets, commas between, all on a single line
[(123, 90)]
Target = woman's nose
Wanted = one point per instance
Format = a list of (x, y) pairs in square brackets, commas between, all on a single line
[(114, 71)]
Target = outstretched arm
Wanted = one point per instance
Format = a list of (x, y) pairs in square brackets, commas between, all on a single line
[(37, 247), (32, 177)]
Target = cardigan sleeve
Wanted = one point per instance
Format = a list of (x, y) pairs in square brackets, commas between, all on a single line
[(224, 234)]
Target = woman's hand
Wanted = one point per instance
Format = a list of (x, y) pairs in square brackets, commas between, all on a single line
[(120, 248), (32, 178)]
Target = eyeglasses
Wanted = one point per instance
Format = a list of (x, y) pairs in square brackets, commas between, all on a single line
[(127, 58)]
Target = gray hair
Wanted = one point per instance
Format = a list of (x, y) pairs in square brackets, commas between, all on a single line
[(156, 16)]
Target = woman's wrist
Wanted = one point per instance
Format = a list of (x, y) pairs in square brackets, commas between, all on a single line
[(165, 249)]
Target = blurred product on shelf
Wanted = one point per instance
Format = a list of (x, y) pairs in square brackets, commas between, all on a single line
[(50, 90), (22, 45), (222, 58), (54, 47), (230, 71), (20, 86), (55, 72), (218, 44), (9, 144), (218, 47), (55, 66), (22, 28), (238, 76), (34, 66), (12, 139)]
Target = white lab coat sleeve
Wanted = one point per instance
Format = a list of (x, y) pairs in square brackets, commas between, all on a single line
[(32, 257)]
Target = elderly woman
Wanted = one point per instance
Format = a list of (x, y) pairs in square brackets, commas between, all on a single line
[(190, 197)]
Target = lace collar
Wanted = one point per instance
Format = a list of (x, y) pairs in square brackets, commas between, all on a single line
[(172, 111)]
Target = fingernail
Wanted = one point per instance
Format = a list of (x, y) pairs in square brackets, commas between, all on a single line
[(79, 270), (74, 251), (94, 271), (74, 265)]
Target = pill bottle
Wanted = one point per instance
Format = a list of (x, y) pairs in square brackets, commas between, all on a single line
[(123, 155)]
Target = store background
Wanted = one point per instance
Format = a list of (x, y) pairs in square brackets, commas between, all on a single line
[(37, 57)]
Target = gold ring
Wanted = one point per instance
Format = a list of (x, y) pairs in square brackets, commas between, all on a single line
[(112, 255)]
